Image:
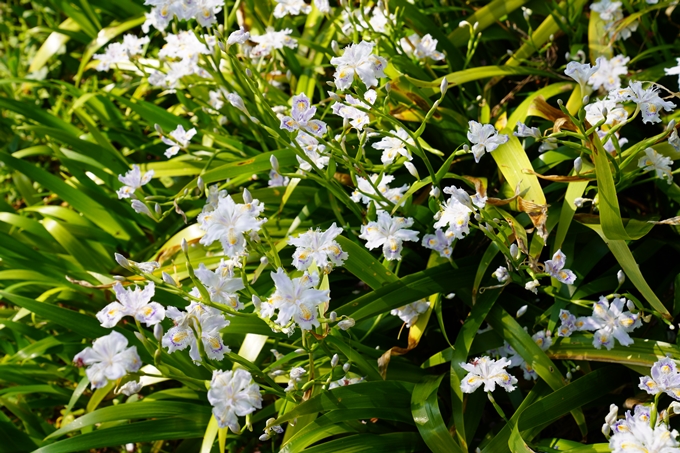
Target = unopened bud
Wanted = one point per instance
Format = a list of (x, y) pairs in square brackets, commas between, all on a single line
[(610, 418), (249, 73), (256, 302), (671, 125), (200, 184), (514, 251), (388, 87), (158, 209), (674, 408), (158, 128), (450, 296), (333, 316), (300, 351), (263, 260), (568, 375), (120, 259), (274, 163), (435, 192), (247, 197), (630, 305), (335, 360), (289, 75), (346, 367), (444, 86), (578, 164), (586, 99), (139, 336), (335, 47), (621, 277), (606, 429), (158, 332), (521, 311), (412, 169), (167, 278), (119, 278), (185, 246)]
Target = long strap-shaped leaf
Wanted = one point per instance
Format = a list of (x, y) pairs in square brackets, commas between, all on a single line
[(428, 419)]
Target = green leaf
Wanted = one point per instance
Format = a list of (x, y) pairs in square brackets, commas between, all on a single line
[(375, 443), (361, 263), (428, 419)]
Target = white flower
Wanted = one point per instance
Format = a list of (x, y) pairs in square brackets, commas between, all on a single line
[(665, 378), (197, 317), (163, 11), (345, 381), (318, 247), (313, 150), (358, 59), (454, 214), (674, 70), (610, 12), (120, 52), (635, 434), (239, 36), (613, 111), (532, 286), (221, 285), (555, 268), (420, 48), (130, 388), (365, 192), (349, 111), (233, 394), (297, 300), (524, 131), (484, 138), (674, 140), (228, 222), (180, 140), (610, 322), (377, 22), (657, 162), (133, 180), (323, 6), (301, 117), (647, 100), (271, 41), (388, 232), (292, 7), (544, 341), (295, 377), (108, 359), (393, 146), (501, 274), (276, 180), (489, 372), (409, 313), (439, 242), (609, 72), (136, 303), (581, 72)]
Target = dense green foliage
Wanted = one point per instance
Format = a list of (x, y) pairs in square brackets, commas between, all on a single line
[(67, 130)]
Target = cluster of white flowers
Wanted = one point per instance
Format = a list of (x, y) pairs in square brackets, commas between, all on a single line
[(201, 321), (349, 111), (295, 301), (378, 19), (163, 11), (609, 321), (233, 394), (226, 221), (117, 52), (181, 54), (455, 214), (270, 41), (388, 232), (636, 433), (133, 180), (608, 73), (420, 48), (410, 313), (611, 13), (395, 145), (108, 359)]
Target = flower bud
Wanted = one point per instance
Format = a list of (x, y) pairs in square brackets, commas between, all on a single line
[(185, 246), (514, 251), (674, 408), (450, 296), (388, 87), (346, 367), (578, 164), (289, 75), (335, 360), (606, 429), (249, 73), (247, 197), (435, 192), (140, 337), (568, 375), (264, 437), (158, 331), (621, 277), (444, 86), (200, 184), (412, 169), (346, 324), (158, 128), (586, 99), (671, 125), (263, 260), (167, 278), (141, 208), (158, 209), (578, 202), (521, 311), (335, 47), (274, 163), (119, 278), (610, 418), (120, 259), (300, 351), (333, 316), (256, 302)]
